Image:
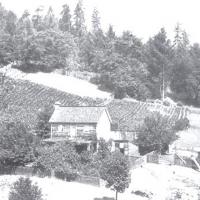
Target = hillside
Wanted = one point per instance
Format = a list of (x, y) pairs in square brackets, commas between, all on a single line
[(25, 98), (130, 113), (60, 82), (159, 182)]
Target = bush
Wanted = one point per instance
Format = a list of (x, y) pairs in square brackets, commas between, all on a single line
[(143, 194), (182, 124), (23, 189), (86, 157), (166, 103), (60, 159), (17, 145), (95, 80)]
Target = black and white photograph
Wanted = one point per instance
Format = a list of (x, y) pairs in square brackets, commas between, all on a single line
[(99, 100)]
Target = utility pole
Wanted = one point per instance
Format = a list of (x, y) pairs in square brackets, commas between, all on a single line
[(163, 83)]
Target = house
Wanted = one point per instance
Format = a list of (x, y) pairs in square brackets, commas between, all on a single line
[(126, 116), (83, 125)]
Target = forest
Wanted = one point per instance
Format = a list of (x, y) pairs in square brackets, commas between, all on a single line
[(123, 64)]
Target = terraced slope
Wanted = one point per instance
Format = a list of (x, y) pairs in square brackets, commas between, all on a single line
[(128, 115), (24, 100)]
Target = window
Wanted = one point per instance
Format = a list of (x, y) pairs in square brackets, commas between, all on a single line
[(79, 130), (116, 144), (60, 128), (66, 128), (54, 128)]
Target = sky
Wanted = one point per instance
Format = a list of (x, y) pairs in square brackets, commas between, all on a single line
[(143, 17)]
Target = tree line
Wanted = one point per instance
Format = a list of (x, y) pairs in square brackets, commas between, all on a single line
[(124, 64)]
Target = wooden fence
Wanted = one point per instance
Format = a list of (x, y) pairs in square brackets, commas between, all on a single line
[(29, 171), (95, 181)]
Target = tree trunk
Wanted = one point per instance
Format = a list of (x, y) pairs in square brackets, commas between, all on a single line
[(116, 195), (52, 173)]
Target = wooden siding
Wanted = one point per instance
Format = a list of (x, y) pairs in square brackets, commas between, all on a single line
[(72, 131)]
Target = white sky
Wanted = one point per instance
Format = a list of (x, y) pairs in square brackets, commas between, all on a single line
[(143, 17)]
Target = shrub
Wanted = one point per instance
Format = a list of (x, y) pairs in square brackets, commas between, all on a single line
[(182, 124), (166, 103), (95, 80), (86, 157), (60, 159), (23, 189), (143, 194), (17, 144), (103, 149)]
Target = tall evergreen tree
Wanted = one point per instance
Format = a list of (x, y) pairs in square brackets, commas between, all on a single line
[(3, 14), (11, 23), (37, 19), (111, 33), (129, 46), (96, 25), (24, 31), (158, 55), (79, 28), (6, 41), (65, 24), (50, 19)]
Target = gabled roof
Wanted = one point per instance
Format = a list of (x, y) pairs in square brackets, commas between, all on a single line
[(81, 114)]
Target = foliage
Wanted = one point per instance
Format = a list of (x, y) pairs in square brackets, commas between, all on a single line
[(125, 65), (158, 54), (17, 144), (89, 164), (156, 133), (43, 126), (60, 158), (65, 23), (182, 124), (47, 50), (79, 28), (103, 150), (24, 189), (86, 157), (115, 171)]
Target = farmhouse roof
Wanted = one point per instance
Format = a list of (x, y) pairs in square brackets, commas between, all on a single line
[(80, 114)]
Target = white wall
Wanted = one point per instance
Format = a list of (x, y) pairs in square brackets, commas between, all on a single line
[(103, 128)]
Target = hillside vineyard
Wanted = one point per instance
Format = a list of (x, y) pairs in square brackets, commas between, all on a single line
[(25, 99)]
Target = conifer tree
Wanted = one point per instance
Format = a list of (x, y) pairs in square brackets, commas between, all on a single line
[(96, 25), (49, 19), (65, 21), (37, 19), (110, 33), (79, 28)]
